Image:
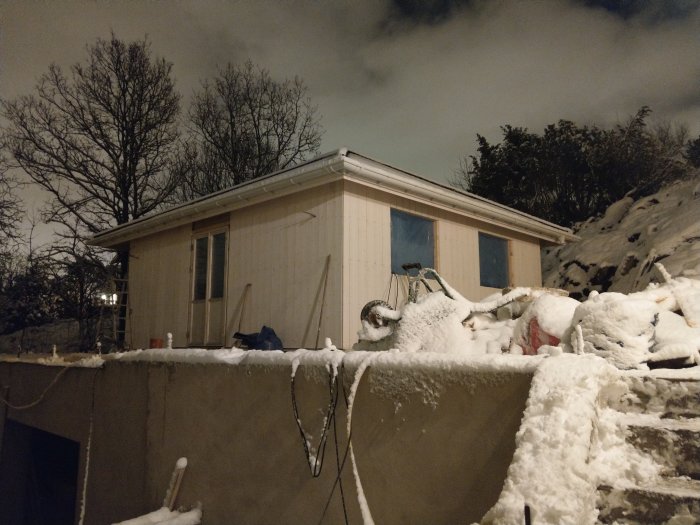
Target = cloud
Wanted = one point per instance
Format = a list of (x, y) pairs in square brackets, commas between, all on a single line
[(407, 84)]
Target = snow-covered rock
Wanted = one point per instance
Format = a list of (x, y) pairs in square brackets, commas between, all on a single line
[(617, 251)]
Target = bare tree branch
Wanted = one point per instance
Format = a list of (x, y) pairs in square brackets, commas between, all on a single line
[(99, 140), (244, 125)]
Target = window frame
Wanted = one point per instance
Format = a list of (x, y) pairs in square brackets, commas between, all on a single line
[(433, 236), (208, 337)]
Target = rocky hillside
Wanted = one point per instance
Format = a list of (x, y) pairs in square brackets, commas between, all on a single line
[(617, 251)]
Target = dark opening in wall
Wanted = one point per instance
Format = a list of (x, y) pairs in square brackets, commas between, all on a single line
[(38, 477)]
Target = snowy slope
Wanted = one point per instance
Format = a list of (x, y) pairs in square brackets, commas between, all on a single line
[(617, 251)]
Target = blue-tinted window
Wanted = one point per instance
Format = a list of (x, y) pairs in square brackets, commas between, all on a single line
[(201, 256), (493, 261), (218, 265), (412, 241)]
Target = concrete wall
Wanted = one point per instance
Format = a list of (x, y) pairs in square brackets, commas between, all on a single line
[(427, 452)]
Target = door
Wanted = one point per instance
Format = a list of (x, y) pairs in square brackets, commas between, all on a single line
[(208, 306)]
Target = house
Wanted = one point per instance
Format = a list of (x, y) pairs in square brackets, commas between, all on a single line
[(304, 249)]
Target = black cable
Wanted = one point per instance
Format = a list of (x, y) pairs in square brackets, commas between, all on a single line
[(340, 465), (317, 465)]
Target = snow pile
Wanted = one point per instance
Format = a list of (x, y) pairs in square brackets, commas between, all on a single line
[(614, 326), (628, 329), (617, 252), (165, 516), (553, 315), (554, 470), (434, 323)]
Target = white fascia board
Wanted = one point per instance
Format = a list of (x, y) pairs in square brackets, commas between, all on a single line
[(321, 170), (338, 165), (371, 173)]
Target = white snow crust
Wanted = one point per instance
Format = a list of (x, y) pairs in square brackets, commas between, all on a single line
[(69, 360), (165, 516)]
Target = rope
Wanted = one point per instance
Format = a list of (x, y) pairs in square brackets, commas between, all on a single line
[(41, 397), (317, 464)]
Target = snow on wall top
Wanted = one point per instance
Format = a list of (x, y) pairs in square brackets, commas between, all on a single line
[(435, 362)]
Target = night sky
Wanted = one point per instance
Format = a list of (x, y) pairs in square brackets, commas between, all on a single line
[(409, 82)]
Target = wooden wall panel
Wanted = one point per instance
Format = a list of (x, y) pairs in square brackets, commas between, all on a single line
[(159, 284), (526, 263), (367, 248), (280, 250), (277, 261)]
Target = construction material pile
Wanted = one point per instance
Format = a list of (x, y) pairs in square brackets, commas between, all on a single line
[(659, 326)]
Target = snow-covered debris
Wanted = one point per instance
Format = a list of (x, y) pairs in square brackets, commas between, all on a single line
[(544, 322), (619, 327), (614, 326), (617, 251)]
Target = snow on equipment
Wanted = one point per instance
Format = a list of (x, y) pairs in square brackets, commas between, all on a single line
[(659, 326), (655, 327), (429, 323)]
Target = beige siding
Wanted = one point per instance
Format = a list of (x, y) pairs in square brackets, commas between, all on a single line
[(367, 249), (280, 248), (526, 265), (159, 284)]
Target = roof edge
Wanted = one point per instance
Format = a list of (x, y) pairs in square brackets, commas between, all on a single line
[(475, 206), (336, 165), (272, 185)]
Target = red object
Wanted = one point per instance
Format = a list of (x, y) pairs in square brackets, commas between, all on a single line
[(538, 337)]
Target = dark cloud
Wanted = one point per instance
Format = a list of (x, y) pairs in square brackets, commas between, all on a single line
[(651, 10), (410, 83)]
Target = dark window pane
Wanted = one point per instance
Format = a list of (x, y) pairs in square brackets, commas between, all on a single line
[(201, 255), (412, 241), (218, 265), (493, 261)]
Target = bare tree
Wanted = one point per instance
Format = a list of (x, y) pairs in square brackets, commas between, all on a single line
[(244, 125), (11, 208), (100, 138)]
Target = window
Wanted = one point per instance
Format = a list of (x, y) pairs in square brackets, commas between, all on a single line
[(493, 261), (208, 288), (412, 241), (218, 265), (201, 258)]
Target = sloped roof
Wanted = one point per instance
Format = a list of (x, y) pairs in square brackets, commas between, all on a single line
[(341, 164)]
